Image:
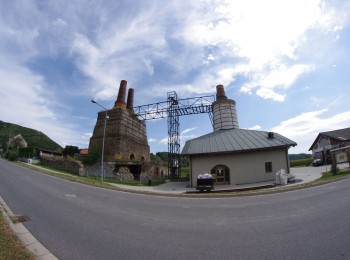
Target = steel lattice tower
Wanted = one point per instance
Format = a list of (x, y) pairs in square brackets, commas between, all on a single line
[(172, 109), (174, 164)]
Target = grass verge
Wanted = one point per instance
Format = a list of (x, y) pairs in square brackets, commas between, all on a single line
[(10, 246), (330, 176), (90, 180)]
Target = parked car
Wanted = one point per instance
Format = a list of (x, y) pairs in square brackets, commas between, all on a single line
[(317, 162)]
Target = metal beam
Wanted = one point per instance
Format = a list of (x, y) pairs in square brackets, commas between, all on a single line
[(187, 106), (172, 109)]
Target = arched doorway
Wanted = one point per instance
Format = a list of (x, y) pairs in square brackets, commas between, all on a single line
[(221, 173)]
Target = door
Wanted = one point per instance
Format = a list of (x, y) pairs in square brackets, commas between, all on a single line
[(221, 173)]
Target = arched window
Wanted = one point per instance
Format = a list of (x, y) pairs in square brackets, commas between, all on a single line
[(142, 159), (132, 157), (221, 173)]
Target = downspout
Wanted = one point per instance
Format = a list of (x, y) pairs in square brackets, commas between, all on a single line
[(190, 169), (287, 157)]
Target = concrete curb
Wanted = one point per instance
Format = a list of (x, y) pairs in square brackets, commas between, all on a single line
[(32, 244)]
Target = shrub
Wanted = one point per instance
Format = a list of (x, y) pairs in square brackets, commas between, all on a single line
[(12, 156), (92, 157), (334, 169), (301, 162)]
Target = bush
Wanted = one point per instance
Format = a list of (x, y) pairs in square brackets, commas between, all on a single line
[(334, 169), (301, 162), (92, 157), (12, 156)]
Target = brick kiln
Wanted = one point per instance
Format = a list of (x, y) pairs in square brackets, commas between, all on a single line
[(126, 146)]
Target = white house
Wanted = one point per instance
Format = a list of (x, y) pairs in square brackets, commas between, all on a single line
[(325, 141), (233, 155)]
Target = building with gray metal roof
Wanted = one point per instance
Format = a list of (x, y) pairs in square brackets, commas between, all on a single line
[(236, 141), (233, 155)]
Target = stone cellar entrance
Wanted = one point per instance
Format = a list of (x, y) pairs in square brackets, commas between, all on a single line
[(133, 166)]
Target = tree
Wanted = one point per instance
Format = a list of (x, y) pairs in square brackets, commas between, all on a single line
[(92, 157), (163, 156), (16, 143), (185, 161), (70, 150)]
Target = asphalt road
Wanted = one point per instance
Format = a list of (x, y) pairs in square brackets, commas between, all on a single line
[(76, 221)]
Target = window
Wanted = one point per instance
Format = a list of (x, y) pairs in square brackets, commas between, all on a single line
[(268, 167)]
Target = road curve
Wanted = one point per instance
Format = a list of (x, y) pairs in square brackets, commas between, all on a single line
[(76, 221)]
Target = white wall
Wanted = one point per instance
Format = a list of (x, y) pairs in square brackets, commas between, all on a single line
[(341, 156), (244, 167)]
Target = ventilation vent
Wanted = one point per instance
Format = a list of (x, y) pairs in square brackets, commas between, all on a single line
[(271, 135)]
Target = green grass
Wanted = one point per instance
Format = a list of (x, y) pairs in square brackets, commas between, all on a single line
[(329, 175), (10, 246), (154, 182), (91, 180)]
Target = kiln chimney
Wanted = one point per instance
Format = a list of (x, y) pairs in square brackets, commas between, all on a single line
[(130, 102), (120, 103), (224, 111), (220, 92)]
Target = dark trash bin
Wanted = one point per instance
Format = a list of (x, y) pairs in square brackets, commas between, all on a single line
[(206, 184)]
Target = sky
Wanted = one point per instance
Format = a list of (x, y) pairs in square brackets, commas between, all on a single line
[(285, 63)]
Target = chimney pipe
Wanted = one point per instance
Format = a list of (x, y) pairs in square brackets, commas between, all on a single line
[(220, 92), (130, 102), (120, 103), (224, 111)]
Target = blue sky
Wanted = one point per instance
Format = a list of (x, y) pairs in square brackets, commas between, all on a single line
[(284, 62)]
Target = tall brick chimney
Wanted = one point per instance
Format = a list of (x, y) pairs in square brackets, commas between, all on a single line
[(220, 92), (120, 102), (130, 100)]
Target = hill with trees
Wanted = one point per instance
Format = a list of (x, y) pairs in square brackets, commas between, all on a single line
[(33, 137), (299, 156)]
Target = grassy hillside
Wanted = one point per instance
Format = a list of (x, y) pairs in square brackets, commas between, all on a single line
[(33, 137)]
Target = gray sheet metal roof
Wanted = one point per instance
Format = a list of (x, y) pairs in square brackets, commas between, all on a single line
[(234, 141)]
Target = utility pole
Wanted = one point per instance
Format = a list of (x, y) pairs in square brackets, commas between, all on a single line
[(103, 139)]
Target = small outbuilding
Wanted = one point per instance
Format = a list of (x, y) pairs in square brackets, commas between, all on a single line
[(236, 156)]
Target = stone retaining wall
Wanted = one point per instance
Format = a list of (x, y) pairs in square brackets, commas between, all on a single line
[(64, 164)]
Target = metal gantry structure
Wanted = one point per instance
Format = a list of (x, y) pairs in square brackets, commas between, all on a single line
[(172, 109)]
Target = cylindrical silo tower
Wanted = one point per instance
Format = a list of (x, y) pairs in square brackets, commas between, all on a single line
[(224, 111)]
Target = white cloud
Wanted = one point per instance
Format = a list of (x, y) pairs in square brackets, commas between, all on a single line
[(188, 130), (280, 76), (266, 36), (164, 141), (152, 140), (27, 101), (256, 127), (183, 139), (85, 139), (305, 127)]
